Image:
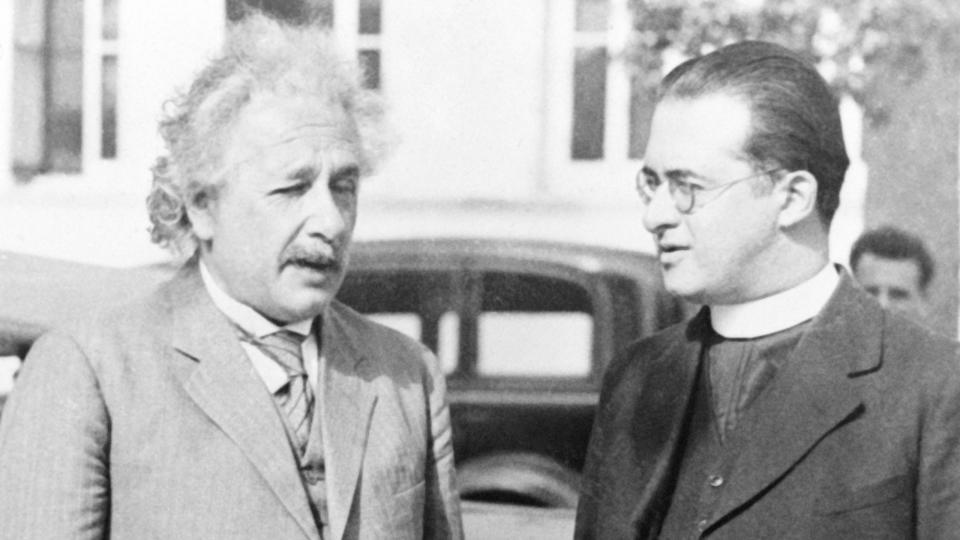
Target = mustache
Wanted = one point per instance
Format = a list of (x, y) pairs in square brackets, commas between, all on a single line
[(324, 258)]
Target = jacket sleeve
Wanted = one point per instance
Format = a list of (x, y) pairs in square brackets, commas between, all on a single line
[(442, 503), (938, 479), (54, 439)]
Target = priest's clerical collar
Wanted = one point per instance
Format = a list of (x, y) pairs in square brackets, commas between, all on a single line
[(777, 312), (243, 315)]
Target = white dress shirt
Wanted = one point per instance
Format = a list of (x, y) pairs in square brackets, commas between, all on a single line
[(274, 376)]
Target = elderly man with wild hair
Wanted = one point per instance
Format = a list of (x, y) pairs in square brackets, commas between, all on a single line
[(240, 400)]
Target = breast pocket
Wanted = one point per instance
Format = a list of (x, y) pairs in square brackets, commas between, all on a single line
[(845, 499), (880, 510)]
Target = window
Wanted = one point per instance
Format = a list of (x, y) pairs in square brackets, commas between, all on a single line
[(518, 344), (296, 10), (368, 41), (533, 325), (48, 86), (65, 85), (108, 80), (642, 101), (589, 79), (367, 25), (494, 324)]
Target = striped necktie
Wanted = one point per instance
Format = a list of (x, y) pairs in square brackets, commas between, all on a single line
[(295, 398)]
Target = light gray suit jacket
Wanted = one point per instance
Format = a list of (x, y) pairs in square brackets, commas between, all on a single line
[(150, 422)]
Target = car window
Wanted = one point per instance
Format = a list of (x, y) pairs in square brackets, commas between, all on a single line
[(495, 323), (410, 324), (534, 343)]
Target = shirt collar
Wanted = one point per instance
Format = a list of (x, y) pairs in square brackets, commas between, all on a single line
[(777, 312), (243, 315)]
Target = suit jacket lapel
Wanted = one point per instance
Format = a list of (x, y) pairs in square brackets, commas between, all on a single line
[(349, 395), (808, 399), (227, 388), (664, 402)]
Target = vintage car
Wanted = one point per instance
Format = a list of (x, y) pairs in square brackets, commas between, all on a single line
[(523, 330)]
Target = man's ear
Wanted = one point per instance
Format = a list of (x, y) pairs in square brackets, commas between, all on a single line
[(200, 212), (798, 190)]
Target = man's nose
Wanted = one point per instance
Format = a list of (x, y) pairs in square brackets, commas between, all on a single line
[(324, 215), (661, 211)]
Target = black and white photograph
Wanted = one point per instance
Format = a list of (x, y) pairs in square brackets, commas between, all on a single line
[(479, 269)]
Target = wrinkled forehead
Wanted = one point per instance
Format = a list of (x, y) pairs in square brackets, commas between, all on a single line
[(272, 122)]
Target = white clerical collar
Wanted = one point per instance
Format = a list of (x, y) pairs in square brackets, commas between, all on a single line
[(243, 315), (776, 312)]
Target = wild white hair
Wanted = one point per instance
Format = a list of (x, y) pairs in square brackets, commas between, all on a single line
[(260, 55)]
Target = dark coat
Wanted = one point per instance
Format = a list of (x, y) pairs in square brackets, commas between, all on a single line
[(857, 437)]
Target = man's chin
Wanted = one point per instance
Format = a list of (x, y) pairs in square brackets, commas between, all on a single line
[(301, 305), (682, 289)]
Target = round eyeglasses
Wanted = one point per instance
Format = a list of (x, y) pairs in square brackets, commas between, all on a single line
[(686, 195)]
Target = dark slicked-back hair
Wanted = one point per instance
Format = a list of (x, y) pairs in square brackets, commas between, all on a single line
[(795, 116), (893, 243)]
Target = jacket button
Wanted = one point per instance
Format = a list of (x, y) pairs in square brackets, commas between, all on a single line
[(702, 525), (715, 480)]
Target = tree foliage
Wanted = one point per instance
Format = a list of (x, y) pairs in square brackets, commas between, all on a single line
[(853, 42)]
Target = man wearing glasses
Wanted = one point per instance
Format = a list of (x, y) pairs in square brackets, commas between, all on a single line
[(792, 405)]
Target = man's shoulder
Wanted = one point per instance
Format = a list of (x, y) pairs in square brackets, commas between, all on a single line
[(145, 316), (901, 339), (654, 351), (909, 345), (378, 338)]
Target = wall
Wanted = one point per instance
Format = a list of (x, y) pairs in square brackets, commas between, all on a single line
[(912, 159)]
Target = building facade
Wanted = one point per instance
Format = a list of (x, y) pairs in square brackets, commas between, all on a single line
[(511, 118)]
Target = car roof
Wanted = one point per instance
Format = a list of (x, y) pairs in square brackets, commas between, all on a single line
[(40, 292), (588, 259)]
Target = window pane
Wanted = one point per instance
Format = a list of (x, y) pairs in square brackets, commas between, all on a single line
[(533, 325), (64, 130), (370, 64), (589, 99), (592, 15), (110, 30), (370, 11), (548, 344), (29, 23), (291, 10), (29, 70), (407, 324), (448, 345), (641, 110), (108, 108)]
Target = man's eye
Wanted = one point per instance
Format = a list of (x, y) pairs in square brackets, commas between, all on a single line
[(899, 294), (293, 189), (345, 187), (345, 183), (684, 186)]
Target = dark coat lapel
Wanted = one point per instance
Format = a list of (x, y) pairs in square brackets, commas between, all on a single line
[(226, 387), (657, 430), (808, 399), (349, 395)]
